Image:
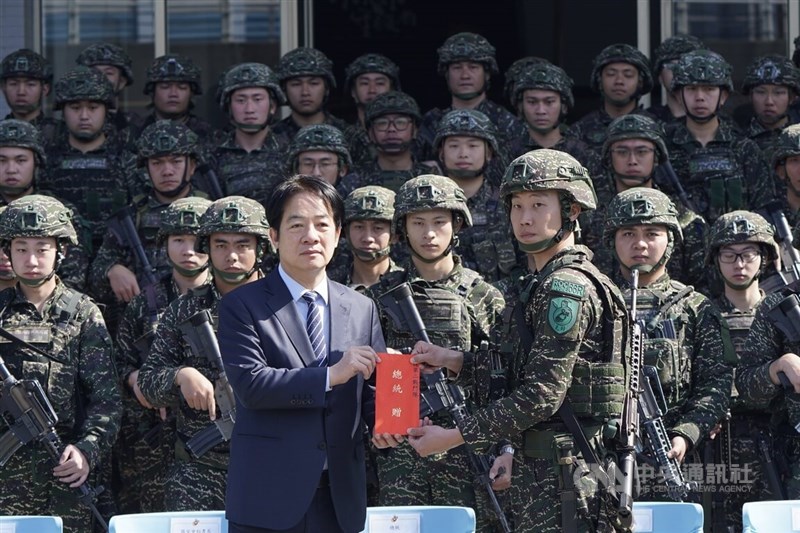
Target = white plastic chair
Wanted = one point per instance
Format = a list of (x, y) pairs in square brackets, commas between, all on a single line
[(667, 517), (431, 518), (31, 524), (168, 522), (771, 517)]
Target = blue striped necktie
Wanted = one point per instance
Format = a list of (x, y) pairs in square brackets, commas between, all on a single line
[(316, 334)]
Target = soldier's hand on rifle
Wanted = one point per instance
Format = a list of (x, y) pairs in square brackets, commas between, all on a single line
[(714, 432), (123, 283), (73, 468), (133, 384), (789, 364), (356, 360), (500, 473), (197, 390), (432, 357), (679, 447)]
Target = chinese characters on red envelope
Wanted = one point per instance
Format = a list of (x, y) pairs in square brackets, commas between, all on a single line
[(397, 394)]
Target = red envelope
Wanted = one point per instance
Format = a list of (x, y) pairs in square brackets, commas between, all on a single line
[(397, 394)]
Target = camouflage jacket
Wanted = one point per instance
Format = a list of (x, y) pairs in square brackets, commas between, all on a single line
[(661, 112), (287, 128), (686, 263), (361, 149), (729, 173), (371, 174), (763, 137), (250, 174), (565, 313), (574, 147), (168, 354), (488, 246), (687, 340), (80, 381), (114, 252), (341, 269), (591, 128)]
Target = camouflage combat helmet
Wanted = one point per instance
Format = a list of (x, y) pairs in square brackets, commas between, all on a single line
[(107, 54), (634, 126), (392, 102), (83, 83), (182, 217), (176, 68), (234, 214), (672, 49), (642, 206), (248, 75), (25, 63), (369, 203), (739, 227), (622, 53), (428, 192), (548, 77), (787, 145), (36, 215), (466, 122), (20, 134), (167, 137), (369, 63), (467, 47), (515, 71), (771, 70), (319, 137), (702, 67), (304, 61)]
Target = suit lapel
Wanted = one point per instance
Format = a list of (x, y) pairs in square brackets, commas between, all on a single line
[(340, 322), (279, 300)]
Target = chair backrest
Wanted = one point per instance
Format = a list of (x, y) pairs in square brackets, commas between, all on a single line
[(31, 524), (423, 518), (771, 517), (211, 521), (667, 517)]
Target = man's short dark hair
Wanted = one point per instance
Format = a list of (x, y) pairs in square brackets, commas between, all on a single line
[(301, 183)]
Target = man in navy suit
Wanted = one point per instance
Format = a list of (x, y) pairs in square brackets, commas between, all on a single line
[(298, 349)]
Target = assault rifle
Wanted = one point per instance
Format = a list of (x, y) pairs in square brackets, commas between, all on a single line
[(202, 340), (440, 395), (26, 410), (790, 259)]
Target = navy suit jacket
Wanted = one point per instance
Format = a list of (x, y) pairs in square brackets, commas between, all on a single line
[(287, 426)]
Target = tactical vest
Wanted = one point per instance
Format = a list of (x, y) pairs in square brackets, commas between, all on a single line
[(716, 181), (253, 174), (392, 179), (148, 223), (739, 326)]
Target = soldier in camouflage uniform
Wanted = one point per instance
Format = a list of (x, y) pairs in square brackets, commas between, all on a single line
[(632, 153), (85, 166), (363, 258), (235, 233), (306, 77), (168, 153), (429, 212), (554, 337), (720, 169), (7, 277), (467, 62), (392, 120), (621, 75), (117, 66), (543, 97), (741, 245), (685, 337), (366, 78), (466, 142), (17, 70), (22, 159), (773, 85), (145, 447), (785, 163), (80, 380), (321, 151), (171, 81), (518, 68), (664, 57), (250, 161)]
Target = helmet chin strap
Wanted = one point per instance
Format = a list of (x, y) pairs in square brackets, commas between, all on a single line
[(249, 128), (741, 286), (185, 182), (567, 226), (238, 279), (470, 95), (87, 137), (637, 180), (448, 250), (394, 147), (646, 269), (38, 282), (700, 120), (188, 272)]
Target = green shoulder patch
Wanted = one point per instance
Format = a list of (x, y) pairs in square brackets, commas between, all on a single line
[(568, 287), (562, 313)]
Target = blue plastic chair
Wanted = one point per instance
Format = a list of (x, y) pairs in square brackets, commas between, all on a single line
[(31, 524), (667, 517), (161, 522), (771, 517), (432, 518)]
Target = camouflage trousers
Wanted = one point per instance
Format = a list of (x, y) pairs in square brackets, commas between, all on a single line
[(194, 486), (28, 487), (140, 465)]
